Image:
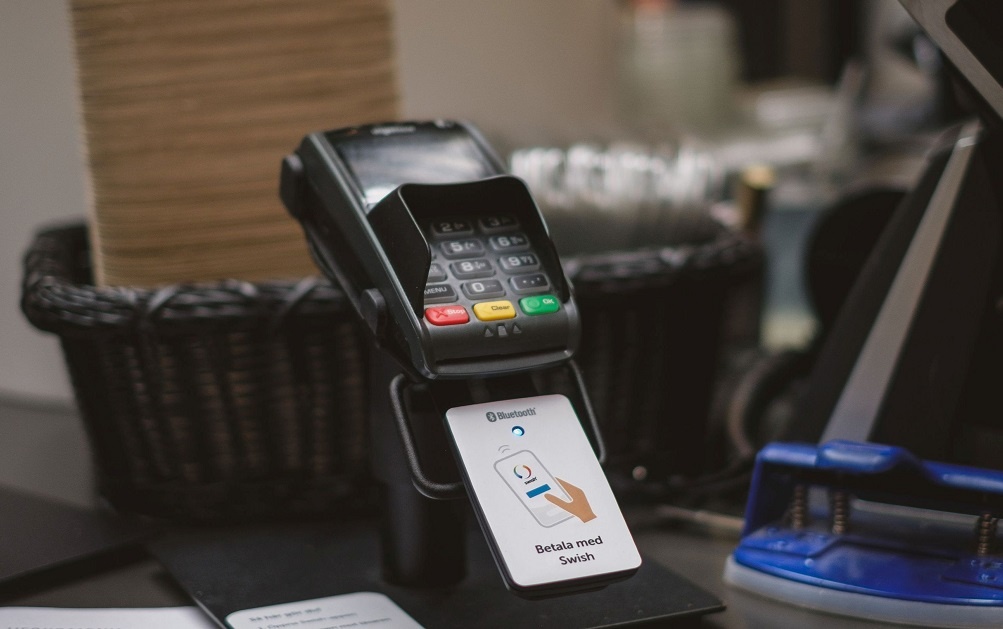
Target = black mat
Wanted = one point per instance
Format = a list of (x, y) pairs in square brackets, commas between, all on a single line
[(233, 570), (44, 542)]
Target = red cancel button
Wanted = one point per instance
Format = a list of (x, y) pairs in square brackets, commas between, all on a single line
[(447, 315)]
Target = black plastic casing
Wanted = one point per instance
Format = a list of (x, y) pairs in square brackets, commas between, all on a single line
[(379, 256)]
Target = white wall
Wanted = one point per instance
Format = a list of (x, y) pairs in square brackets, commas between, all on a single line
[(525, 71), (41, 176)]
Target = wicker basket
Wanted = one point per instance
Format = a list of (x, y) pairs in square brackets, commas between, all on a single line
[(241, 401), (209, 403), (655, 326)]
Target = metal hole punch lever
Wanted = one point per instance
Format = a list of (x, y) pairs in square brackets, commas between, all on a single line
[(870, 530)]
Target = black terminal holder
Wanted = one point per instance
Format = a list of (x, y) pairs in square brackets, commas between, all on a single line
[(379, 204), (363, 195)]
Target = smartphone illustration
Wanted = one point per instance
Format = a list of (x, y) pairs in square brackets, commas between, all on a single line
[(530, 481)]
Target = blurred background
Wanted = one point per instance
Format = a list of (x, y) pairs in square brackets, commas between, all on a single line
[(832, 97)]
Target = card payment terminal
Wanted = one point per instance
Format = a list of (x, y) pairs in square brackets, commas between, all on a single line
[(450, 265)]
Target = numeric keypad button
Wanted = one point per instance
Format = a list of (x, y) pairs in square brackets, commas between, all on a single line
[(529, 283), (436, 273), (472, 269), (497, 223), (483, 289), (519, 263), (510, 242), (452, 227), (466, 248)]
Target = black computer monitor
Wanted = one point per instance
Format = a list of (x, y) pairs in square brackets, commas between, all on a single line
[(915, 356), (967, 31)]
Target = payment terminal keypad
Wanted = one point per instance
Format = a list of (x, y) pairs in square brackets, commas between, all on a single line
[(482, 267)]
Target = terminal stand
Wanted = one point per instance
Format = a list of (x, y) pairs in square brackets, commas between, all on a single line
[(424, 541), (422, 538)]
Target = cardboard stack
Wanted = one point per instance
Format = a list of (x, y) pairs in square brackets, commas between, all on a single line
[(189, 107)]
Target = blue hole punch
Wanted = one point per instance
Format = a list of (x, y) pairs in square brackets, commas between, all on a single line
[(870, 530)]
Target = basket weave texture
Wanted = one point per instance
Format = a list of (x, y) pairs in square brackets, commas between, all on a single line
[(237, 401), (209, 402), (655, 325)]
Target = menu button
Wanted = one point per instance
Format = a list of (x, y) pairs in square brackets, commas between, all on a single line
[(437, 293)]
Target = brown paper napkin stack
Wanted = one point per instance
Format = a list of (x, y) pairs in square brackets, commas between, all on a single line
[(189, 107)]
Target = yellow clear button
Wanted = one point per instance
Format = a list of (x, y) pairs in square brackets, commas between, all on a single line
[(494, 310)]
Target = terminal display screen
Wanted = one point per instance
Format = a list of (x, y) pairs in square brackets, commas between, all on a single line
[(382, 161)]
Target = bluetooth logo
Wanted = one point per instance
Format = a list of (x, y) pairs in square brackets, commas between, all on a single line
[(491, 416)]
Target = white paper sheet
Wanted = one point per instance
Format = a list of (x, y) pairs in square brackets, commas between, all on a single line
[(61, 618), (368, 610)]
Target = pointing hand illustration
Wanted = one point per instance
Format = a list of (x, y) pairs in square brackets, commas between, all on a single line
[(578, 506)]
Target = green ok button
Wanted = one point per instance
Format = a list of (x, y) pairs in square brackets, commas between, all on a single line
[(540, 304)]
